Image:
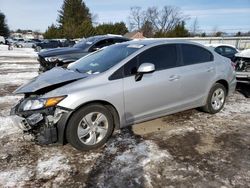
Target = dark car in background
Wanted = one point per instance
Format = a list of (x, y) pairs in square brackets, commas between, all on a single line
[(63, 56), (46, 44), (225, 50)]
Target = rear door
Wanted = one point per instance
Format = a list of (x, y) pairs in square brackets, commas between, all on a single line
[(197, 74), (156, 93)]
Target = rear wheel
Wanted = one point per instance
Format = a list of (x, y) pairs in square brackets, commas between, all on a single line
[(90, 127), (216, 99), (38, 48)]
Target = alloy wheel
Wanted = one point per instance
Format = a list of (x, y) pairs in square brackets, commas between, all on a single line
[(92, 128)]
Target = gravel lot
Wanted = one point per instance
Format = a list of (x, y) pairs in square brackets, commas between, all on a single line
[(188, 149)]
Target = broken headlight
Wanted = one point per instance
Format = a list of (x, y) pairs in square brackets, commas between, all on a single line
[(35, 104)]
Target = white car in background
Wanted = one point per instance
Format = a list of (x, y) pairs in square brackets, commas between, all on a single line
[(225, 50), (2, 40), (25, 44), (243, 66)]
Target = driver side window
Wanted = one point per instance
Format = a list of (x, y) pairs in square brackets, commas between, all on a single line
[(163, 57), (101, 44)]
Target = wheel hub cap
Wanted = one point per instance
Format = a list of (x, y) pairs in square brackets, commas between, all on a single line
[(92, 128), (218, 99)]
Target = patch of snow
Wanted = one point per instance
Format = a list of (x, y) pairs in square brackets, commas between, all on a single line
[(181, 130), (9, 99), (8, 126), (15, 178), (55, 165), (17, 78), (17, 52)]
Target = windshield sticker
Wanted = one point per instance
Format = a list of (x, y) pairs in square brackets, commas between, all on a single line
[(89, 42)]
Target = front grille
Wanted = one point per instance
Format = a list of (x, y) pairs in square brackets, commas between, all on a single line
[(243, 64)]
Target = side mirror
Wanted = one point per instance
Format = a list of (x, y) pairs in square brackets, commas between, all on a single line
[(144, 68)]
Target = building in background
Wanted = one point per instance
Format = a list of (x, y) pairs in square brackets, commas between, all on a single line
[(134, 35)]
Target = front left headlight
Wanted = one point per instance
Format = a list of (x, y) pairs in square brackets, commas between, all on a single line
[(35, 104), (51, 59)]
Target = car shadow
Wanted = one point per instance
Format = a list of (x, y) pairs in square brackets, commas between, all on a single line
[(244, 88)]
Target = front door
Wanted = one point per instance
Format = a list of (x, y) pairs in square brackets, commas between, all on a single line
[(156, 93)]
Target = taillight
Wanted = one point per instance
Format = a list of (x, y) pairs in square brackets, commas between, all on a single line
[(233, 65)]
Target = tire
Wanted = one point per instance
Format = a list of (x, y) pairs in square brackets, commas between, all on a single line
[(216, 99), (83, 133), (38, 48)]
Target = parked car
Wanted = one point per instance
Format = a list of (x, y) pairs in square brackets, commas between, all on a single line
[(16, 41), (47, 44), (25, 44), (2, 40), (243, 66), (121, 85), (225, 50), (63, 56)]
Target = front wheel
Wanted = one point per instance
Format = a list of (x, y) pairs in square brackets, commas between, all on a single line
[(90, 127), (216, 99)]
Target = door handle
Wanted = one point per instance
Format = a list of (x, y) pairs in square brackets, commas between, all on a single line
[(174, 77)]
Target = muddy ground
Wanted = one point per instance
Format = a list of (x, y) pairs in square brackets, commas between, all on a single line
[(187, 149)]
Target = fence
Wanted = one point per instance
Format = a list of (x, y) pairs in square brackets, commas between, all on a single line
[(240, 42)]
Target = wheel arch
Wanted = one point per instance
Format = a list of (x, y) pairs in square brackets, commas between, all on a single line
[(224, 83), (109, 106)]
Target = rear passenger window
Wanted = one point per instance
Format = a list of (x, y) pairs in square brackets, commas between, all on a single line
[(192, 54)]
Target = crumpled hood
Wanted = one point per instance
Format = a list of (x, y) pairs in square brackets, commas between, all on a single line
[(60, 51), (52, 77), (244, 54)]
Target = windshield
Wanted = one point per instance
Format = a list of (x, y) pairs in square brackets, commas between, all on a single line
[(103, 59), (85, 43)]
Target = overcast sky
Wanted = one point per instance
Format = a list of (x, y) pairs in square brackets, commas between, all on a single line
[(225, 15)]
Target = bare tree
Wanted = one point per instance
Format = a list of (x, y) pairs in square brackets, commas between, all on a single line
[(136, 18), (166, 19), (195, 27)]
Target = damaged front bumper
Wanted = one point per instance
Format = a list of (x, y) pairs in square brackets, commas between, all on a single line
[(45, 125)]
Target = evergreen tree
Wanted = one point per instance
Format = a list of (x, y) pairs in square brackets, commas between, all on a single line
[(72, 16), (110, 28), (4, 29), (87, 29), (53, 32), (178, 31)]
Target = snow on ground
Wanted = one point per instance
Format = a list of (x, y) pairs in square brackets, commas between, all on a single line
[(17, 52), (187, 149), (18, 66)]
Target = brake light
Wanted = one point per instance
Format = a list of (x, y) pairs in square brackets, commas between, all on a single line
[(233, 65)]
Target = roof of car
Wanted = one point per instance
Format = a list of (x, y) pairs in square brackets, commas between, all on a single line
[(108, 36), (215, 45), (150, 41)]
